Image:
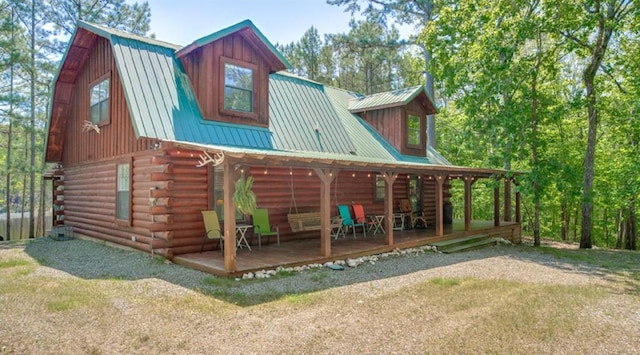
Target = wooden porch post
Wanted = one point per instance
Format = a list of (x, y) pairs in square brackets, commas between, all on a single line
[(229, 217), (326, 177), (496, 205), (439, 204), (518, 202), (507, 200), (468, 182), (389, 179)]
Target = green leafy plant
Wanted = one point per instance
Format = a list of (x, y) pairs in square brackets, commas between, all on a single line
[(243, 197)]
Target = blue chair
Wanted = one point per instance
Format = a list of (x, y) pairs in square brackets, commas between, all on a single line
[(348, 222)]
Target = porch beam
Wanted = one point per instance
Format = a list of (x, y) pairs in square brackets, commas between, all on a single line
[(389, 178), (496, 204), (518, 202), (440, 179), (326, 177), (507, 200), (229, 177)]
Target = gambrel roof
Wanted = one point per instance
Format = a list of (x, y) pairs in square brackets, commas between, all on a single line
[(307, 120)]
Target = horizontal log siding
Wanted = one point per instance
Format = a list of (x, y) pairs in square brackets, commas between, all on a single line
[(116, 137), (90, 204), (203, 68), (273, 191)]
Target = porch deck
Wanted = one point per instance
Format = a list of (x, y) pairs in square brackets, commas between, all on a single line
[(307, 251)]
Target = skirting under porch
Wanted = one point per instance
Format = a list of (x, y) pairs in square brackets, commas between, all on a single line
[(307, 251)]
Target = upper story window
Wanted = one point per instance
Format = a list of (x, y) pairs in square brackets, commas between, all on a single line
[(414, 130), (238, 88), (99, 102)]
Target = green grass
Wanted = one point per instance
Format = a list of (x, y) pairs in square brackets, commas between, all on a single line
[(9, 263), (613, 260)]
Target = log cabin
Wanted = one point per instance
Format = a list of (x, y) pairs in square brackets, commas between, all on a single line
[(143, 135)]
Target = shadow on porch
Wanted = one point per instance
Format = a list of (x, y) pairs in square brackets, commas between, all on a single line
[(307, 251)]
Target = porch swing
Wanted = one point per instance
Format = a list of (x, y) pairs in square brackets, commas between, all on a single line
[(301, 221)]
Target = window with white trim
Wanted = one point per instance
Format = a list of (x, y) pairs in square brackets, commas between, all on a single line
[(99, 102), (238, 88), (123, 198)]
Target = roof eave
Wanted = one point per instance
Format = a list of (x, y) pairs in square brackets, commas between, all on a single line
[(270, 48)]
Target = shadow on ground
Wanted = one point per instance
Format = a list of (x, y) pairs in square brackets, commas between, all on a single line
[(91, 260)]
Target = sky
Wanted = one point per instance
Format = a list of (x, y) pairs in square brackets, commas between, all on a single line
[(281, 21)]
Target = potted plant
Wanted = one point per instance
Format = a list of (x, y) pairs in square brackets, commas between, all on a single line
[(243, 197)]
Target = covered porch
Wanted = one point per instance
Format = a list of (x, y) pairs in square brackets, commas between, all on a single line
[(308, 251)]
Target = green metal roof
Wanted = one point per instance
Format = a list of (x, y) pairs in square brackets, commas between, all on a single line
[(107, 32), (307, 119), (302, 118), (232, 29), (393, 98)]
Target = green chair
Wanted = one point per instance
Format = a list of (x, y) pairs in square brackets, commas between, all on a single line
[(348, 222), (212, 229), (261, 226)]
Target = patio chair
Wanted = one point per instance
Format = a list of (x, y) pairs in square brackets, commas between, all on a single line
[(405, 207), (348, 222), (262, 227), (336, 227), (419, 217), (358, 211), (212, 229)]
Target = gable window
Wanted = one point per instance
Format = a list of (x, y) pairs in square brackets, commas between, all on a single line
[(414, 130), (123, 197), (99, 102), (238, 88)]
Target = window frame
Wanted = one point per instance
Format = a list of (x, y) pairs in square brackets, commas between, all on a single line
[(379, 192), (124, 221), (102, 120), (408, 131), (254, 92), (216, 193)]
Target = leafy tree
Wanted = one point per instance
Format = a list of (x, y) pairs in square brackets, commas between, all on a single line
[(590, 27)]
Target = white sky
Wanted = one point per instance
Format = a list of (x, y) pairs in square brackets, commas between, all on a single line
[(281, 21)]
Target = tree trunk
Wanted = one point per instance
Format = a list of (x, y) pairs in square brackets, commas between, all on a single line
[(566, 220), (589, 163), (10, 135), (630, 226), (534, 154), (32, 134)]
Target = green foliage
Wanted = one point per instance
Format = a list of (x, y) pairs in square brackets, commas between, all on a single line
[(243, 196)]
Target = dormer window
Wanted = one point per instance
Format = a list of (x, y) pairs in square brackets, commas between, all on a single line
[(239, 88), (99, 102), (414, 131)]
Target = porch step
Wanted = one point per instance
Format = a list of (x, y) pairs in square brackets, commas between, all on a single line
[(466, 243)]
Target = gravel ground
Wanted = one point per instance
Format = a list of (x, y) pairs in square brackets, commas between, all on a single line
[(167, 308)]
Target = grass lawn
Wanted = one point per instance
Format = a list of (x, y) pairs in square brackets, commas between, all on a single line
[(84, 297)]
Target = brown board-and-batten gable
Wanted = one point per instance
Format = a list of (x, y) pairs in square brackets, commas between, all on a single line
[(229, 71), (399, 116)]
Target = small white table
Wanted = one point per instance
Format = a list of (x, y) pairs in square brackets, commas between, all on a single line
[(241, 233), (377, 223), (398, 217)]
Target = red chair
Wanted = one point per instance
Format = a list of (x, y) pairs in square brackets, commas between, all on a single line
[(361, 218)]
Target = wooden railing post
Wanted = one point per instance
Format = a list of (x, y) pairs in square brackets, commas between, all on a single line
[(496, 205), (389, 178), (326, 177)]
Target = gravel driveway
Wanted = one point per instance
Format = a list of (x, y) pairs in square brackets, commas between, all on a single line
[(161, 307)]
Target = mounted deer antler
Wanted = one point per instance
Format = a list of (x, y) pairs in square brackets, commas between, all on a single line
[(216, 160), (87, 126)]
